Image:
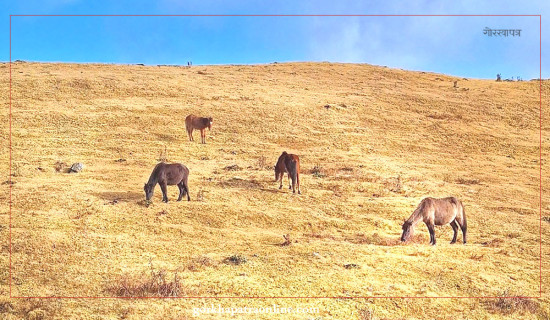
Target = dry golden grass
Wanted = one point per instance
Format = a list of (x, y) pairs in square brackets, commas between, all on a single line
[(372, 141)]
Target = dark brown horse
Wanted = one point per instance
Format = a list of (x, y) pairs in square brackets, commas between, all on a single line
[(168, 174), (289, 163), (437, 212), (192, 122)]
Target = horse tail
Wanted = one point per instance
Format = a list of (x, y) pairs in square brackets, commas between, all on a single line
[(187, 123), (464, 223), (292, 169), (464, 226), (185, 183)]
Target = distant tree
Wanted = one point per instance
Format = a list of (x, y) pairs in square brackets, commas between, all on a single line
[(498, 77)]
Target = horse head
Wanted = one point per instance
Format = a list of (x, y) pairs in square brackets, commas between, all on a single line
[(149, 190), (210, 123), (408, 231)]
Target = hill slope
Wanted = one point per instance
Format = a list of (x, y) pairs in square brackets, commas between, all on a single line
[(373, 142)]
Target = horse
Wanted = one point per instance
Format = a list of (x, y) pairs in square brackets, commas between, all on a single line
[(289, 163), (168, 174), (437, 212), (193, 122)]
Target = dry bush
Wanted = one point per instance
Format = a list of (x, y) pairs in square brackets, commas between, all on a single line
[(508, 304), (235, 260), (287, 240), (467, 181), (376, 239), (367, 314), (61, 166), (262, 163), (200, 195), (318, 171), (477, 257), (155, 284), (163, 156), (35, 309), (494, 243), (233, 167), (394, 184), (200, 262)]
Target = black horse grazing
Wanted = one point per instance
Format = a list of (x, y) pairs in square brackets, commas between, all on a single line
[(168, 174)]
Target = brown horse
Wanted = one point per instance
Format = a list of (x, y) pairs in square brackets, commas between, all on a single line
[(437, 212), (193, 122), (168, 174), (289, 163)]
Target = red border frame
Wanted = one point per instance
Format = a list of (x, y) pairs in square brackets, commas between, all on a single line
[(287, 15)]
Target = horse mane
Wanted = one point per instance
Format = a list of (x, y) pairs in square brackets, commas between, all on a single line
[(153, 179), (414, 218)]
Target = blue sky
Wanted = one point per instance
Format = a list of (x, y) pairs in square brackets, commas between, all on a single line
[(450, 45)]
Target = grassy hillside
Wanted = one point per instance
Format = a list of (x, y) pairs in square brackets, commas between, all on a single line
[(372, 141)]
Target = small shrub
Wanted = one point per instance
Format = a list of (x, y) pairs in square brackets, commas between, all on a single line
[(507, 305), (287, 240), (233, 167), (394, 184), (200, 195), (467, 181), (262, 163), (156, 284), (367, 314), (200, 262), (318, 171), (163, 156), (235, 260), (493, 243), (60, 166)]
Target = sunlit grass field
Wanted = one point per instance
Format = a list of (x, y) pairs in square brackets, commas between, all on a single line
[(372, 141)]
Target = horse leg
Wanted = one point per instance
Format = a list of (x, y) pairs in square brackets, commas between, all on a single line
[(180, 186), (202, 136), (464, 227), (455, 230), (432, 233), (164, 194), (298, 182), (280, 178), (190, 133), (186, 187), (289, 181), (293, 184), (461, 221)]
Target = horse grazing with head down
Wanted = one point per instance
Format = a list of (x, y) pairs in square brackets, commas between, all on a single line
[(192, 122), (437, 212), (289, 163), (168, 174)]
